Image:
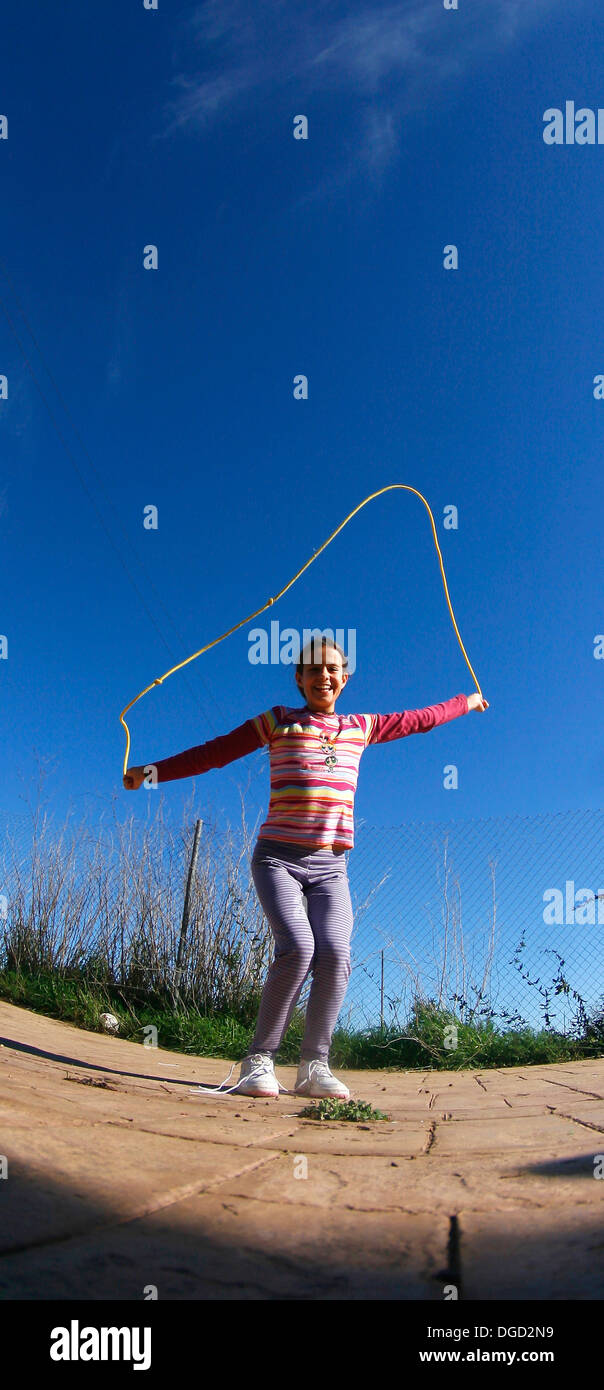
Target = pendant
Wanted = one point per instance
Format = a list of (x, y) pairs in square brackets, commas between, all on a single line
[(328, 748)]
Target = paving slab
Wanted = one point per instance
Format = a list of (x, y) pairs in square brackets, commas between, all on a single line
[(541, 1259), (345, 1138), (122, 1175), (551, 1133)]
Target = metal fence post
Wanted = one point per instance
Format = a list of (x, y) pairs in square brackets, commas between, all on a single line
[(186, 908), (382, 996)]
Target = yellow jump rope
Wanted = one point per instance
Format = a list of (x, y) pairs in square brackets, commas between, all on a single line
[(391, 486)]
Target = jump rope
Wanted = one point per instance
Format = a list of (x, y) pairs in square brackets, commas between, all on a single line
[(223, 1090)]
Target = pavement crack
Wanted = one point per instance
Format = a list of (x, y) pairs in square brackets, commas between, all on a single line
[(578, 1090), (452, 1273), (95, 1081), (343, 1182), (430, 1137), (587, 1124), (228, 1141)]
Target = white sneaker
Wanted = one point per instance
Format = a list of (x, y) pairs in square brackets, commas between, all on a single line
[(257, 1076), (315, 1079)]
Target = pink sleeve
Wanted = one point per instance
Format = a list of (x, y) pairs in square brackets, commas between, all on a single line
[(415, 721), (218, 751)]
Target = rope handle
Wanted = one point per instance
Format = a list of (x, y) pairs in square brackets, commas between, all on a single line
[(391, 487)]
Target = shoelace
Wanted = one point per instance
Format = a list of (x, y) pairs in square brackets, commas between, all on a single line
[(322, 1072), (320, 1067), (257, 1070)]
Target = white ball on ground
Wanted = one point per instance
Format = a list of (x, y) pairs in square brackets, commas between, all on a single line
[(109, 1023)]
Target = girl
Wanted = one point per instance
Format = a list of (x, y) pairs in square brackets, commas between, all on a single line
[(299, 864)]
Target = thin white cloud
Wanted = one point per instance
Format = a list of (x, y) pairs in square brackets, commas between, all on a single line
[(202, 100), (388, 58)]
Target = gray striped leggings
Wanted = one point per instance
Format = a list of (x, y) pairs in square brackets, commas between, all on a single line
[(314, 938)]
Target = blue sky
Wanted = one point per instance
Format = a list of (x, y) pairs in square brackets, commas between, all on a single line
[(280, 257)]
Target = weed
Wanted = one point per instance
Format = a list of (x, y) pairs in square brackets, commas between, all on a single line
[(355, 1110)]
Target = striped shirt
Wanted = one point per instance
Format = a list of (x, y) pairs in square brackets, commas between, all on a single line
[(311, 801)]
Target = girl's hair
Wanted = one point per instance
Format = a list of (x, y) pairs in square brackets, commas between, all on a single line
[(307, 657)]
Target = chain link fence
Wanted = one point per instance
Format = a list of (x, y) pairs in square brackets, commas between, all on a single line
[(498, 918)]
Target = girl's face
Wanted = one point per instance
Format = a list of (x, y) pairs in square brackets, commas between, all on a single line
[(321, 684)]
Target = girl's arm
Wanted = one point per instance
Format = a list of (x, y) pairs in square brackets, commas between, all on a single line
[(217, 752), (418, 721)]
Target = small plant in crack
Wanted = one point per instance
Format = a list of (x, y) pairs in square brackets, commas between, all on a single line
[(359, 1110)]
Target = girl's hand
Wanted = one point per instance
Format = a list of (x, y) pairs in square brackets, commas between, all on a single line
[(475, 701), (134, 778)]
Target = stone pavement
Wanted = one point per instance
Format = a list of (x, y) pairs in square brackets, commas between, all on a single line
[(121, 1177)]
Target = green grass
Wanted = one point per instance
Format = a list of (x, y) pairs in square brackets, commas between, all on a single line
[(420, 1046)]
